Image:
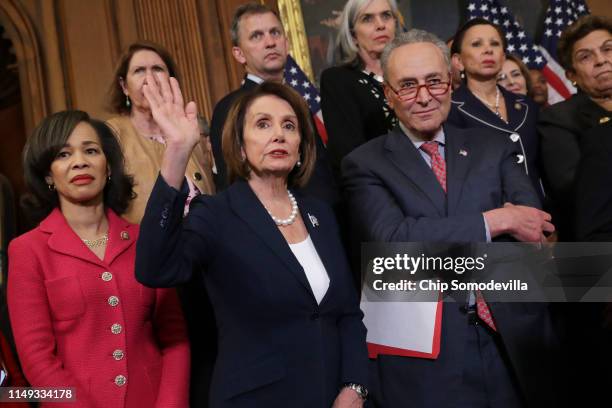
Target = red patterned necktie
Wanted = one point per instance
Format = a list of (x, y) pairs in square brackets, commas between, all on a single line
[(438, 165), (484, 313)]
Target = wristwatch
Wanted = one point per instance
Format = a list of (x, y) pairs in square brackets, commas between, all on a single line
[(359, 389)]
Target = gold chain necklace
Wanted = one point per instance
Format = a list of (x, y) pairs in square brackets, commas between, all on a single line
[(96, 243)]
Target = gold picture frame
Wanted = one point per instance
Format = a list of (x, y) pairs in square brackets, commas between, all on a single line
[(293, 23)]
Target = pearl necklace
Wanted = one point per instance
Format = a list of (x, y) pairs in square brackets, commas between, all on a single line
[(96, 243), (294, 211), (496, 106)]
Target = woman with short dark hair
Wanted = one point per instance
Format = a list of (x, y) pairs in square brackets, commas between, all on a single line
[(79, 317), (289, 325), (585, 51), (479, 50)]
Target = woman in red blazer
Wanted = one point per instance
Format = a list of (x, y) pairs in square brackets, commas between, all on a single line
[(79, 317)]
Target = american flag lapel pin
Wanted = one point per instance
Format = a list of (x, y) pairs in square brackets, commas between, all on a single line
[(463, 152), (313, 220)]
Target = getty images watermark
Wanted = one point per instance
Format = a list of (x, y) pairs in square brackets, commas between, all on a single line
[(427, 264), (504, 272)]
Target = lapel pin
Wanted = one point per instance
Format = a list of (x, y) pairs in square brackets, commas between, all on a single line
[(603, 120), (515, 137), (520, 158), (124, 235), (463, 152), (313, 220), (518, 106)]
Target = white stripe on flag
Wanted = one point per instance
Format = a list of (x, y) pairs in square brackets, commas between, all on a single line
[(559, 72)]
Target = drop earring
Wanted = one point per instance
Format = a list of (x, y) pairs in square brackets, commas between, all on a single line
[(127, 102)]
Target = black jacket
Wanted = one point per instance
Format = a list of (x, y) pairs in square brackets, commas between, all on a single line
[(561, 128)]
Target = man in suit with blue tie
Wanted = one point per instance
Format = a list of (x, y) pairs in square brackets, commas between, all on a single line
[(430, 182)]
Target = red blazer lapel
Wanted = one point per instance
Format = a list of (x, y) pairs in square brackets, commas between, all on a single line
[(121, 236), (64, 240)]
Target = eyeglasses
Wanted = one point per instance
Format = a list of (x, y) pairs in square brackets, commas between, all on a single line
[(410, 92)]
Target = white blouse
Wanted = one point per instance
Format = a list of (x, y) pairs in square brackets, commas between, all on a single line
[(307, 256)]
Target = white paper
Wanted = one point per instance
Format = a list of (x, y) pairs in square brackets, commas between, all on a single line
[(404, 325)]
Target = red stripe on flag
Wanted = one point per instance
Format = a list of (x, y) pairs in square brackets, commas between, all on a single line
[(375, 349), (556, 82), (320, 128)]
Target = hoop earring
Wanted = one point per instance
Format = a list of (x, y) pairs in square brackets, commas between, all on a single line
[(51, 187), (127, 101)]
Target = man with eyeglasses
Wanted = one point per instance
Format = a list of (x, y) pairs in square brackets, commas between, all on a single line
[(426, 181)]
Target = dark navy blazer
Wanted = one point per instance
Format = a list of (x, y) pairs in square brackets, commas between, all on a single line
[(277, 346), (467, 111), (394, 196)]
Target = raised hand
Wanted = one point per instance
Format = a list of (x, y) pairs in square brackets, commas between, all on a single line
[(178, 123)]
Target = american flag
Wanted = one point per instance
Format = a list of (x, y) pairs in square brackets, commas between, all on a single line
[(519, 43), (559, 15), (297, 79)]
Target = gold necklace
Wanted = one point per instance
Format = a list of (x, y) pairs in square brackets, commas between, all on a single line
[(96, 243)]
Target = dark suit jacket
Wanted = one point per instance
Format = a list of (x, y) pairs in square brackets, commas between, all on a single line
[(321, 184), (217, 122), (354, 109), (593, 218), (561, 128), (467, 111), (394, 196), (277, 346)]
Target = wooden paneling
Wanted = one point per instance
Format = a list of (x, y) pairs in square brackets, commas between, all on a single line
[(214, 49), (600, 7), (87, 49), (21, 32), (175, 25)]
